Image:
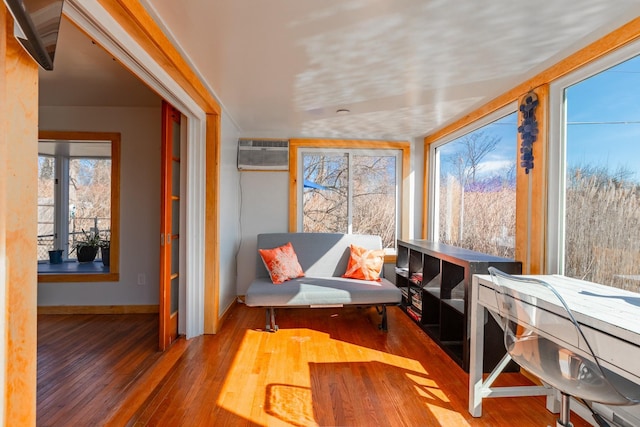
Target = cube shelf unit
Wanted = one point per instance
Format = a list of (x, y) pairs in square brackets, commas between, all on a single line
[(435, 280)]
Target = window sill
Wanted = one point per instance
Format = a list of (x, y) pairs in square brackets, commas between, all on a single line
[(72, 271)]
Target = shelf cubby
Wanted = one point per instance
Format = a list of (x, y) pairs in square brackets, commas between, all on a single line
[(437, 277)]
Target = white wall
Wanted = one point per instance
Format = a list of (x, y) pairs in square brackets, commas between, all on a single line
[(265, 209), (229, 213), (139, 203)]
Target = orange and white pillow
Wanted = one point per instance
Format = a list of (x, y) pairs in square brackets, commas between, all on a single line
[(281, 263), (364, 264)]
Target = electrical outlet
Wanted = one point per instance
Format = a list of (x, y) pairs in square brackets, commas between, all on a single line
[(142, 279)]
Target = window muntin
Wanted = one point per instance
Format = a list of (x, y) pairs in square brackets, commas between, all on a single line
[(89, 198), (350, 191), (598, 167), (474, 186)]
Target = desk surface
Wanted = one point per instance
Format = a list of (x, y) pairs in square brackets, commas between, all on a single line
[(611, 314), (610, 319)]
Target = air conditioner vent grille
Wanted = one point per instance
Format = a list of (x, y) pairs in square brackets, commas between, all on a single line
[(263, 143), (263, 154)]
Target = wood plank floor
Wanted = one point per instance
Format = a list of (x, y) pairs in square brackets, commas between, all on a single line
[(86, 364), (324, 367)]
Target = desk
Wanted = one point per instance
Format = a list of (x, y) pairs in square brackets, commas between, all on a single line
[(611, 318)]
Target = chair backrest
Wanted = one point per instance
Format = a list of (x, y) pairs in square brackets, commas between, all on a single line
[(542, 335)]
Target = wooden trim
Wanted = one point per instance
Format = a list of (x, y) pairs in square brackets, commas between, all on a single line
[(136, 21), (228, 311), (212, 227), (405, 147), (114, 266), (614, 40), (98, 309), (77, 278), (405, 191), (425, 190), (532, 253), (531, 213), (293, 186)]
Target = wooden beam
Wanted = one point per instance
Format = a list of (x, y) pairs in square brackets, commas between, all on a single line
[(18, 213)]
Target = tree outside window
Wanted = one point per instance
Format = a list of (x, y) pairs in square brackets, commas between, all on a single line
[(476, 189), (351, 191)]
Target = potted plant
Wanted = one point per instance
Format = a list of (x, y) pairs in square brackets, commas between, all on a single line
[(55, 256), (87, 247), (105, 250)]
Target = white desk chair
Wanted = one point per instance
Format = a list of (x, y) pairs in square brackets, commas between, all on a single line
[(573, 369)]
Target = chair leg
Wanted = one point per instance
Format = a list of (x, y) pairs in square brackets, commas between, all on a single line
[(271, 320), (383, 322), (565, 411)]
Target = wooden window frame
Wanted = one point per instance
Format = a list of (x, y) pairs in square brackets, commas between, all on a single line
[(402, 146), (114, 268)]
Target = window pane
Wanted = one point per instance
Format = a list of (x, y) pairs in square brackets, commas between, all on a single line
[(374, 197), (602, 194), (89, 197), (46, 206), (475, 198), (325, 193)]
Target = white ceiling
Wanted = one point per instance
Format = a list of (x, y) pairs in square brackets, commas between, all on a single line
[(404, 68)]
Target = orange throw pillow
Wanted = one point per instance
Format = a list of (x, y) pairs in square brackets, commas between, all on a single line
[(281, 263), (365, 264)]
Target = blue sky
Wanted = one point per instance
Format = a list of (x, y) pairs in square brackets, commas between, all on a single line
[(603, 124), (603, 115)]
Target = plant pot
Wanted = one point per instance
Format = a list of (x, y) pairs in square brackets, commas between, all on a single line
[(87, 253), (55, 256), (106, 256)]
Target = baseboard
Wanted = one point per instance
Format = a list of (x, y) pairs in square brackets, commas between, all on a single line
[(226, 314), (98, 309)]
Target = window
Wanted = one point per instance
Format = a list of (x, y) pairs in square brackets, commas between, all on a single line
[(474, 186), (596, 209), (78, 179), (351, 190), (85, 205)]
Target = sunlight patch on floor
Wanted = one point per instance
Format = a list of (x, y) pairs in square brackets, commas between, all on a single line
[(282, 388)]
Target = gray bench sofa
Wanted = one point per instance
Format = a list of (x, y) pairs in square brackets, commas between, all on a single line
[(324, 258)]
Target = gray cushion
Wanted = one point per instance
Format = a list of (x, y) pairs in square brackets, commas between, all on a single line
[(306, 291)]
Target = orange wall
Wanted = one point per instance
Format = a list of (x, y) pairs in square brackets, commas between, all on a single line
[(18, 201)]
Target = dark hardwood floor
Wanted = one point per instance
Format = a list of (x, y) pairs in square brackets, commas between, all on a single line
[(324, 367), (86, 364)]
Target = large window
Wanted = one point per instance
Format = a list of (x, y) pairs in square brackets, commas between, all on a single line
[(78, 197), (351, 191), (597, 205), (474, 191), (350, 186)]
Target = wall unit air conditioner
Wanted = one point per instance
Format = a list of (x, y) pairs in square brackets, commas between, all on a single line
[(263, 154)]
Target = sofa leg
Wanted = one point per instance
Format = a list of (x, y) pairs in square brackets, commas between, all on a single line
[(383, 323), (271, 320)]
